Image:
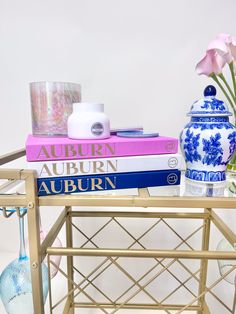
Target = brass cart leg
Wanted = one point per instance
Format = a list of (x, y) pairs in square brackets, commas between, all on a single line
[(34, 241), (70, 271), (206, 309), (204, 264)]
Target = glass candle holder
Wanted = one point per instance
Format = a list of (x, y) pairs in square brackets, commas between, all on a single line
[(51, 105)]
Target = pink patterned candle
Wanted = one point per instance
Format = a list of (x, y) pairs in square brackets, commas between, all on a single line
[(51, 105)]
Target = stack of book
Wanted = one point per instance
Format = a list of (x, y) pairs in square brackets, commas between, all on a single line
[(68, 166)]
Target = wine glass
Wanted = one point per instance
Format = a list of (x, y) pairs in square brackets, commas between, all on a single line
[(15, 280), (226, 265), (56, 259)]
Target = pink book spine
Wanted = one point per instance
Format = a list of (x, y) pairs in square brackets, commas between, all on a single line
[(85, 150)]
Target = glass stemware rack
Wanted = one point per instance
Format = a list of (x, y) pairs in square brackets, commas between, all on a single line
[(187, 262)]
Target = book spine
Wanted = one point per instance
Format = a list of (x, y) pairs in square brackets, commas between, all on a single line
[(77, 184), (100, 150), (106, 165)]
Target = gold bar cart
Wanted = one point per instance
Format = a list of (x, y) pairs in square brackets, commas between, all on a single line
[(144, 207)]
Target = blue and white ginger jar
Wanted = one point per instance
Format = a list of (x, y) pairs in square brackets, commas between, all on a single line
[(209, 139)]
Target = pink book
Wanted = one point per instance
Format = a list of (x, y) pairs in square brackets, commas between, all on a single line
[(61, 148)]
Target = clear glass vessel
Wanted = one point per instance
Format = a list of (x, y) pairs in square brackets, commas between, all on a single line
[(226, 265), (51, 105)]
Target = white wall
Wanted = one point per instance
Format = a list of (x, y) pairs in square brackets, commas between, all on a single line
[(136, 56)]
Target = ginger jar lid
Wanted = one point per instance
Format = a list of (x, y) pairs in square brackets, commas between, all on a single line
[(209, 105)]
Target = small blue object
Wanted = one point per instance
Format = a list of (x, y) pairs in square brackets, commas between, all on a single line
[(137, 134), (210, 90)]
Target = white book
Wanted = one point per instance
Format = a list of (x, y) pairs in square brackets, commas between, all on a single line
[(46, 169)]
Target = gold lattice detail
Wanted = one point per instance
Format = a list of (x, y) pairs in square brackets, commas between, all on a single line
[(88, 283)]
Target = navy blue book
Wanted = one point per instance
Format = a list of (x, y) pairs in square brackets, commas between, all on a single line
[(110, 181)]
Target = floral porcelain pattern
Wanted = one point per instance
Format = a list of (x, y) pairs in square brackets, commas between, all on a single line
[(213, 104), (208, 142), (213, 151)]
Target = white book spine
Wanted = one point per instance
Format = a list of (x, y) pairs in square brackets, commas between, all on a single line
[(61, 168)]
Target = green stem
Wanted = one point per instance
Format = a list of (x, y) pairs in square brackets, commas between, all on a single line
[(221, 76), (214, 77), (231, 166), (233, 159), (231, 66)]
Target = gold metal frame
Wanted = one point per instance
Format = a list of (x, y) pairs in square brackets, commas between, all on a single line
[(162, 258)]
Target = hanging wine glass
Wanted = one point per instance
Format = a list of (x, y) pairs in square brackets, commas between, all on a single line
[(226, 265), (15, 280), (56, 259)]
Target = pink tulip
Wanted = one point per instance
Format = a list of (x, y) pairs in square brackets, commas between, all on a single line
[(212, 63), (225, 45), (224, 37), (233, 48), (220, 51)]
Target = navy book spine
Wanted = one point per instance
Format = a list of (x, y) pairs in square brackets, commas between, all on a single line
[(111, 181)]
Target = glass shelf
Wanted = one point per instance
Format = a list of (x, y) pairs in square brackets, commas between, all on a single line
[(197, 189), (186, 188)]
